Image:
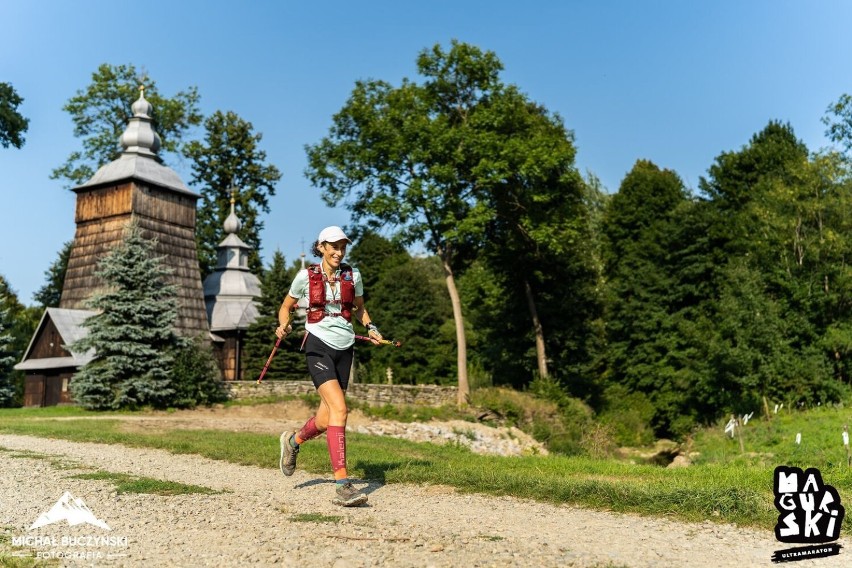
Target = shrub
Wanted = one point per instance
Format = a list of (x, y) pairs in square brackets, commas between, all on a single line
[(628, 416), (195, 377)]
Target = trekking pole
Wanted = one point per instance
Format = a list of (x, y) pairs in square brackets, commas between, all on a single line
[(393, 342), (268, 361)]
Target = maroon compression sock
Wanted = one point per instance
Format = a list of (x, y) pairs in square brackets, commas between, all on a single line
[(336, 440), (308, 431)]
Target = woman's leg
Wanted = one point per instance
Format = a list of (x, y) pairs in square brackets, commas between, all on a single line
[(315, 426), (334, 404)]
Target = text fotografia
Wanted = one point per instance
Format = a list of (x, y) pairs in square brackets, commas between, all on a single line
[(809, 512), (71, 547)]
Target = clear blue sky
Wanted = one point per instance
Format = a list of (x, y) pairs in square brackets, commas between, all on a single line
[(671, 81)]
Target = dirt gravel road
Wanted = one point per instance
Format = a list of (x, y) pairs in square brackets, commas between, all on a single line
[(262, 518)]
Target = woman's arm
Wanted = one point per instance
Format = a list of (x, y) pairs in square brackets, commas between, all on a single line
[(365, 319), (284, 326)]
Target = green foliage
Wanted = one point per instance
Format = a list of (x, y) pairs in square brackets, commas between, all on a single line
[(405, 159), (373, 255), (8, 357), (713, 304), (503, 339), (538, 206), (133, 332), (50, 293), (289, 362), (838, 118), (472, 169), (628, 415), (230, 159), (735, 175), (101, 111), (783, 287), (20, 323), (195, 377), (642, 308), (575, 416), (408, 303), (12, 123)]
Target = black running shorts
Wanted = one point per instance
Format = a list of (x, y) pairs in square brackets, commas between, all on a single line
[(325, 363)]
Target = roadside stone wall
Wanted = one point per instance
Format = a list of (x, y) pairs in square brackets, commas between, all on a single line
[(375, 394)]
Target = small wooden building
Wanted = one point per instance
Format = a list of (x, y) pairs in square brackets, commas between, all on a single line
[(48, 364)]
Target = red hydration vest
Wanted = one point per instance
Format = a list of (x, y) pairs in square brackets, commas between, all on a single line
[(316, 293)]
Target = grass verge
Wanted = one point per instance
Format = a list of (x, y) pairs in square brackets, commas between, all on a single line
[(731, 491)]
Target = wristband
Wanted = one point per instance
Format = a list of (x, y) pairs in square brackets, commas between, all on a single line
[(372, 327)]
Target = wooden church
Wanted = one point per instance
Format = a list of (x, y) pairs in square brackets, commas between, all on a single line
[(230, 294), (135, 187)]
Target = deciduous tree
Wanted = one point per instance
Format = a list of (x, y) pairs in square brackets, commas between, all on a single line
[(404, 158), (12, 124), (525, 159), (230, 159), (100, 113)]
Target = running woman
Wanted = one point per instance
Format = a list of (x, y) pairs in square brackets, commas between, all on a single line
[(335, 293)]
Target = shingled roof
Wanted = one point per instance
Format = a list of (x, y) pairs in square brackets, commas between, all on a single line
[(69, 325)]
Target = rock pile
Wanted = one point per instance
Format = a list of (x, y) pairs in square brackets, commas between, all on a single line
[(479, 438)]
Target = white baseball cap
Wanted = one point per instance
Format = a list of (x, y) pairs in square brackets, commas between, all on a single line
[(332, 235)]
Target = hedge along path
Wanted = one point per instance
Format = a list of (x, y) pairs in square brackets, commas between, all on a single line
[(263, 518)]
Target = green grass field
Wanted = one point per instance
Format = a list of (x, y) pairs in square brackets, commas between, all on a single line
[(724, 484)]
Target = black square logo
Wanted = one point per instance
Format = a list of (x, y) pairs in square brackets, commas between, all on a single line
[(809, 512)]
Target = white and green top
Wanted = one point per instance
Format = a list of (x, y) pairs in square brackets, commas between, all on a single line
[(334, 331)]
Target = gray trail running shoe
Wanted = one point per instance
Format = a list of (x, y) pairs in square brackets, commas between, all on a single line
[(287, 461), (348, 496)]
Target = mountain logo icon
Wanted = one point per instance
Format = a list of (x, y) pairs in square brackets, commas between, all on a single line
[(71, 509)]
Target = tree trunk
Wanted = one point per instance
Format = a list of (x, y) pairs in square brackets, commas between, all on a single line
[(461, 343), (540, 355)]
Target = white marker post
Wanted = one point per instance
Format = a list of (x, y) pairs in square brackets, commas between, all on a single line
[(729, 427), (846, 445)]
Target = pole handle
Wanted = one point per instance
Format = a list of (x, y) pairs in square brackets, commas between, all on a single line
[(393, 342)]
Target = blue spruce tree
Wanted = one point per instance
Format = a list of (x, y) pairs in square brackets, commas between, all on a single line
[(133, 333)]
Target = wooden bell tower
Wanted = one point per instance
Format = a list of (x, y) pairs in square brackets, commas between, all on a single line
[(138, 187)]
